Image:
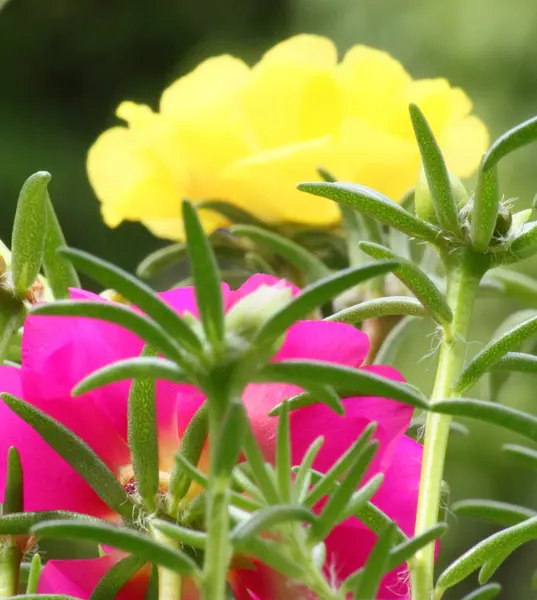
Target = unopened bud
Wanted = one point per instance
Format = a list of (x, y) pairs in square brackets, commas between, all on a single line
[(424, 203), (255, 309), (113, 296), (503, 222), (519, 219)]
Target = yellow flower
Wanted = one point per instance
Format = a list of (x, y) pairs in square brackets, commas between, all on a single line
[(248, 135)]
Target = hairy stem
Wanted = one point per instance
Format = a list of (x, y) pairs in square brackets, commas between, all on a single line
[(464, 274)]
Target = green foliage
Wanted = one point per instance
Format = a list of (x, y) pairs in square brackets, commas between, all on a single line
[(29, 231)]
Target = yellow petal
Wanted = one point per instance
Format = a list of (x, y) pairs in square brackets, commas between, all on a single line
[(375, 158), (441, 104), (209, 86), (306, 49), (373, 86), (463, 145), (173, 229), (292, 95), (265, 184), (205, 109), (137, 173)]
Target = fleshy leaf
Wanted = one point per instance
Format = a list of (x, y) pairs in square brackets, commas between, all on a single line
[(185, 535), (269, 517), (376, 565), (21, 523), (404, 551), (283, 454), (130, 368), (489, 412), (36, 566), (354, 381), (29, 231), (416, 281), (487, 592), (75, 452), (141, 295), (379, 307), (374, 204), (502, 513), (121, 538), (13, 494), (333, 510), (485, 206), (206, 276), (515, 138), (148, 330), (494, 550), (436, 172), (493, 352), (192, 444), (317, 294), (523, 455), (298, 256), (329, 480), (59, 272), (116, 578), (142, 436), (160, 259)]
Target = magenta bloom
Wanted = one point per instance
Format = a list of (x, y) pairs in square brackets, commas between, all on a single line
[(60, 351)]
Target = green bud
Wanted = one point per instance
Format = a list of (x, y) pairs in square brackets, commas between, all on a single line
[(423, 200), (519, 219), (503, 222), (255, 309), (113, 296)]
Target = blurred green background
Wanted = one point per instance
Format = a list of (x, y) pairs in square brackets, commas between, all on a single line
[(65, 65)]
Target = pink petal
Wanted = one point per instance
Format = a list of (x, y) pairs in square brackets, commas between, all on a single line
[(340, 432), (78, 578), (337, 343), (190, 400), (49, 482), (315, 340), (58, 352), (398, 495), (254, 282), (184, 299)]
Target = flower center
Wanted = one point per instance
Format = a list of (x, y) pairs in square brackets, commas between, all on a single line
[(128, 480)]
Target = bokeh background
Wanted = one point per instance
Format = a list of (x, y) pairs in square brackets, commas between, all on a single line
[(66, 65)]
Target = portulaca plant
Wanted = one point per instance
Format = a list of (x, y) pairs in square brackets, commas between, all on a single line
[(243, 434)]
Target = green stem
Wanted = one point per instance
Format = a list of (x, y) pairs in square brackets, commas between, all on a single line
[(464, 273), (218, 550), (170, 584), (10, 558)]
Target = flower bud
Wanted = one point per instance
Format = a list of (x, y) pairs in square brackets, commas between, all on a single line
[(255, 309), (503, 222), (113, 296), (424, 203)]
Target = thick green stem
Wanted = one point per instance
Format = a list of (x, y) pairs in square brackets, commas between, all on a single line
[(218, 550), (170, 584), (464, 274), (10, 558)]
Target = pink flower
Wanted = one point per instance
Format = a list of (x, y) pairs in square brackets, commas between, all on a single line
[(59, 351)]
